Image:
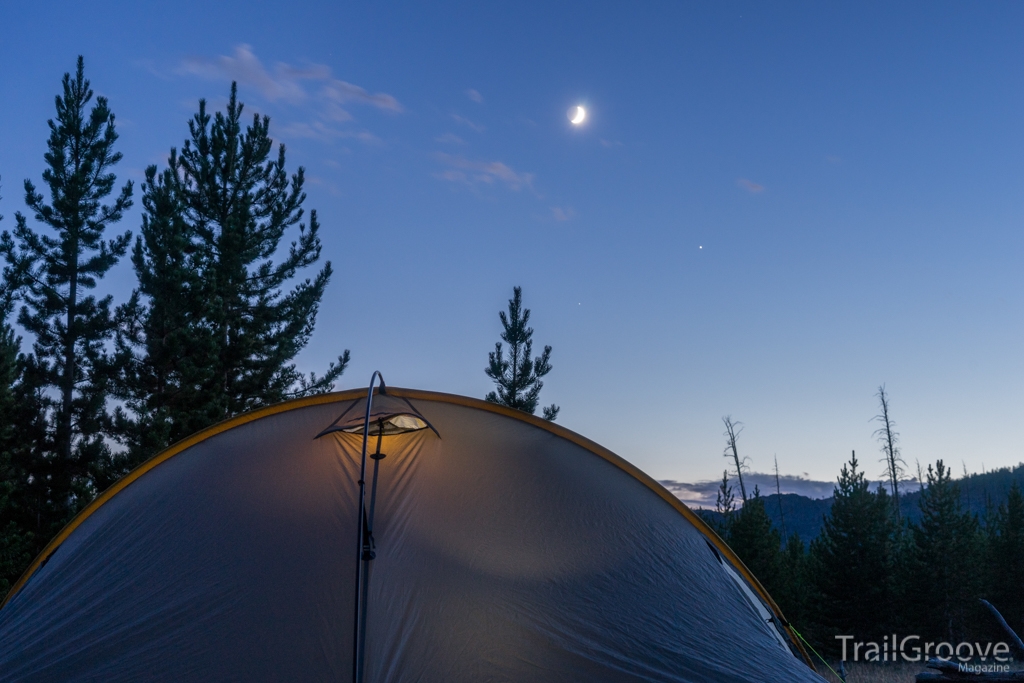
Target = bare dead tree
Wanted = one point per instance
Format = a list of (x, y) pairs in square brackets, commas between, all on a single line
[(889, 438), (731, 434)]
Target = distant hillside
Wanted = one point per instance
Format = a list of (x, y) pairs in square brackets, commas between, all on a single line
[(804, 516)]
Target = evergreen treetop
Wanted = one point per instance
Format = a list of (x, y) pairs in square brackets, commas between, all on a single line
[(518, 378)]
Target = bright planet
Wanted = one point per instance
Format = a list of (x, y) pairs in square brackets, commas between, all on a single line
[(577, 115)]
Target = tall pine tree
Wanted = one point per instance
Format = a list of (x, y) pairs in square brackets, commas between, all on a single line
[(214, 328), (518, 378), (852, 562), (946, 582), (54, 273)]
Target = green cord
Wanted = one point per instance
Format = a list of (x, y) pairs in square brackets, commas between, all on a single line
[(793, 629)]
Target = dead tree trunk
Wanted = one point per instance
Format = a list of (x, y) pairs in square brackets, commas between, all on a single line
[(731, 434)]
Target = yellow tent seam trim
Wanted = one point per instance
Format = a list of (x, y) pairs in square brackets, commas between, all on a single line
[(354, 394)]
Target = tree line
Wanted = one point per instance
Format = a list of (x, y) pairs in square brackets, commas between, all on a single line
[(871, 573), (218, 314)]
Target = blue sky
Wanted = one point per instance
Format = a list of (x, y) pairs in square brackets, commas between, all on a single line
[(770, 211)]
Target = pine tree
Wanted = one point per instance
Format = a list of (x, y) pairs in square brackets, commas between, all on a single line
[(757, 543), (1006, 558), (213, 329), (793, 594), (54, 273), (725, 507), (25, 522), (166, 345), (725, 500), (518, 379), (946, 583), (852, 561)]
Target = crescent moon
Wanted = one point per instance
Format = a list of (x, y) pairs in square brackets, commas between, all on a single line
[(577, 118)]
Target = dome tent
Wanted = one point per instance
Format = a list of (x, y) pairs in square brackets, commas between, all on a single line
[(506, 548)]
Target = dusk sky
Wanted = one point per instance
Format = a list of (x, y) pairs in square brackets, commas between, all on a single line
[(769, 211)]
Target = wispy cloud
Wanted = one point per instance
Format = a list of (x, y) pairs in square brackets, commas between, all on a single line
[(750, 186), (561, 214), (463, 170), (704, 493), (449, 139), (284, 81), (479, 128), (833, 159), (475, 96), (318, 130), (313, 84), (610, 143), (342, 92)]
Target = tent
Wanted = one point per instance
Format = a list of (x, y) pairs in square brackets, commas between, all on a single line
[(505, 548)]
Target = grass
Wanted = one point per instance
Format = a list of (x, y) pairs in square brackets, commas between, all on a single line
[(862, 672)]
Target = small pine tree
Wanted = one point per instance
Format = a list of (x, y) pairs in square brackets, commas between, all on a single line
[(213, 329), (757, 543), (54, 274), (792, 596), (1006, 558), (725, 500), (518, 379)]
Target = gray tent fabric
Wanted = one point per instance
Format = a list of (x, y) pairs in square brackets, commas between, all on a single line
[(505, 551)]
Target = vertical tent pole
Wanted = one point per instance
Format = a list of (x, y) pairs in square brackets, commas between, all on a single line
[(357, 641)]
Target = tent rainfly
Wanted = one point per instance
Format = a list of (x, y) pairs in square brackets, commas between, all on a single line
[(504, 548)]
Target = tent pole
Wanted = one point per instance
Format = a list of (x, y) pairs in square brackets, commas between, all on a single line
[(369, 548), (357, 643)]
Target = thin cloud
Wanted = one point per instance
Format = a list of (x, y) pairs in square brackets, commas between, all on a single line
[(342, 92), (288, 83), (318, 130), (472, 172), (475, 96), (479, 128), (750, 186), (704, 493), (561, 215), (610, 143), (833, 159), (449, 139)]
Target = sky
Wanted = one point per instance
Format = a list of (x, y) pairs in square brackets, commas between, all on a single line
[(768, 213)]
